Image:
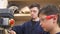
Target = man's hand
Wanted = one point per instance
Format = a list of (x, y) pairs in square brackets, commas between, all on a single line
[(12, 32)]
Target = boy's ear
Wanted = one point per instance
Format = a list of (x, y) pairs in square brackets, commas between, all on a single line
[(55, 19)]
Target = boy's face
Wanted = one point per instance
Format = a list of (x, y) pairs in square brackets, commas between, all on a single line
[(34, 12), (47, 22)]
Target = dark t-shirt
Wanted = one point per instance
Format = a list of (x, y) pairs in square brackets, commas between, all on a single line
[(29, 27)]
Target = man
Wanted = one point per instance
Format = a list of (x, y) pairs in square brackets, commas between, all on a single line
[(50, 19), (32, 26)]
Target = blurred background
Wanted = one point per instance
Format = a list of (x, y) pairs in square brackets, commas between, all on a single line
[(21, 10)]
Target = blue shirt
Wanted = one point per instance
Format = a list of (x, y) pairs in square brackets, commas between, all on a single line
[(30, 27)]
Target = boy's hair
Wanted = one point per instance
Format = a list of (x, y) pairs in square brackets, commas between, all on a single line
[(50, 10), (34, 5)]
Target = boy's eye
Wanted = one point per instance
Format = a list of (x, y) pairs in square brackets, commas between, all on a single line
[(33, 11)]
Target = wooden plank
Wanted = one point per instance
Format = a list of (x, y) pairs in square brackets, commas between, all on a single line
[(21, 14)]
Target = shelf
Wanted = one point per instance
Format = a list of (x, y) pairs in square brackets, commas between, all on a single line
[(22, 17), (21, 14), (20, 0)]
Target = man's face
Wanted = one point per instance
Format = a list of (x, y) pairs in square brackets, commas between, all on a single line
[(34, 12), (46, 22)]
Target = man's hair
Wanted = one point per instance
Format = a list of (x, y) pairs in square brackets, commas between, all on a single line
[(34, 5), (50, 10)]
